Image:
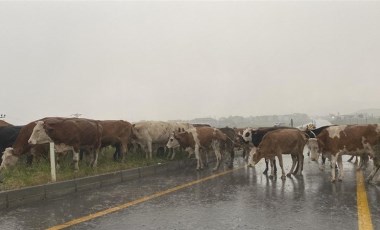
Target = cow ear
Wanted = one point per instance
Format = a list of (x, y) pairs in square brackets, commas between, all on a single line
[(133, 125), (183, 130), (179, 129), (48, 126)]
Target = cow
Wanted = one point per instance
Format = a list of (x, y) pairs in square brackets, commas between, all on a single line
[(74, 133), (278, 142), (376, 164), (116, 133), (336, 141), (255, 136), (313, 133), (198, 138), (230, 144), (151, 135), (240, 143), (8, 135), (21, 146)]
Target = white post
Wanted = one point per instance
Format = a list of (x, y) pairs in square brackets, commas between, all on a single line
[(52, 162)]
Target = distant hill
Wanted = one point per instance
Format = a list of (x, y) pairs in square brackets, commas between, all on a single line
[(370, 112), (253, 121)]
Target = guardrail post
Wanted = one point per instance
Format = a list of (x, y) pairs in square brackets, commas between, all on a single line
[(52, 163)]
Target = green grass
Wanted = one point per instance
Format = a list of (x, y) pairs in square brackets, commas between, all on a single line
[(39, 173)]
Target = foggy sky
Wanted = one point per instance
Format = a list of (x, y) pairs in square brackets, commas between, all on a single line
[(181, 60)]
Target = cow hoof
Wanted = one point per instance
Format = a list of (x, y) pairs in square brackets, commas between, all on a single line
[(332, 180), (270, 176), (289, 175), (265, 172), (283, 177)]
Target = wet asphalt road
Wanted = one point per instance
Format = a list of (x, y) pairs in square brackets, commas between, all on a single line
[(242, 199)]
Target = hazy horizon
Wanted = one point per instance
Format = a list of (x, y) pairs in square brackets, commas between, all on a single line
[(159, 60)]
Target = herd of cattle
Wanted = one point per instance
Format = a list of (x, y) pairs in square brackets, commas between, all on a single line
[(79, 135)]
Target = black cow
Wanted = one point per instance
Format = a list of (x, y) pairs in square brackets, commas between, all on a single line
[(230, 143)]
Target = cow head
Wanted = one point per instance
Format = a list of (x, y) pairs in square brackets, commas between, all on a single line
[(253, 157), (312, 143), (9, 159), (39, 135), (173, 141), (247, 135)]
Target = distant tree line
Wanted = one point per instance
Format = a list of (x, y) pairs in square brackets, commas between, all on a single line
[(253, 121)]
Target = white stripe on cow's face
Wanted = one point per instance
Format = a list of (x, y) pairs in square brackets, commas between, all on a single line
[(172, 143), (247, 135), (378, 128), (314, 149), (334, 131), (39, 135)]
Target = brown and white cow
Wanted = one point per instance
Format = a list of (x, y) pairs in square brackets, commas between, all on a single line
[(116, 133), (336, 141), (77, 133), (278, 142), (151, 135), (198, 138)]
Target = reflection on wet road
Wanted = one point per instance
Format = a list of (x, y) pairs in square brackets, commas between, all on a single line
[(240, 199)]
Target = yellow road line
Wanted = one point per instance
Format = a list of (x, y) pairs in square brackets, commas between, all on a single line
[(138, 201), (364, 214)]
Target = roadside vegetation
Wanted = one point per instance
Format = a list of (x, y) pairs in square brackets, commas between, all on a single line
[(39, 172)]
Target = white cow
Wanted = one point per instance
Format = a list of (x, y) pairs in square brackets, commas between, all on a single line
[(152, 135)]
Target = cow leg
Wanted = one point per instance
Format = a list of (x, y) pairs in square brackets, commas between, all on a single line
[(170, 154), (373, 173), (294, 163), (95, 160), (216, 147), (266, 166), (117, 155), (205, 153), (279, 156), (150, 150), (322, 166), (57, 166), (232, 158), (333, 162), (340, 167), (300, 164), (272, 173), (198, 157), (123, 152), (76, 159)]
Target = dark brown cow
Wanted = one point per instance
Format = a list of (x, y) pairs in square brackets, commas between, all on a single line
[(116, 133), (278, 142), (75, 133), (200, 138), (336, 141)]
